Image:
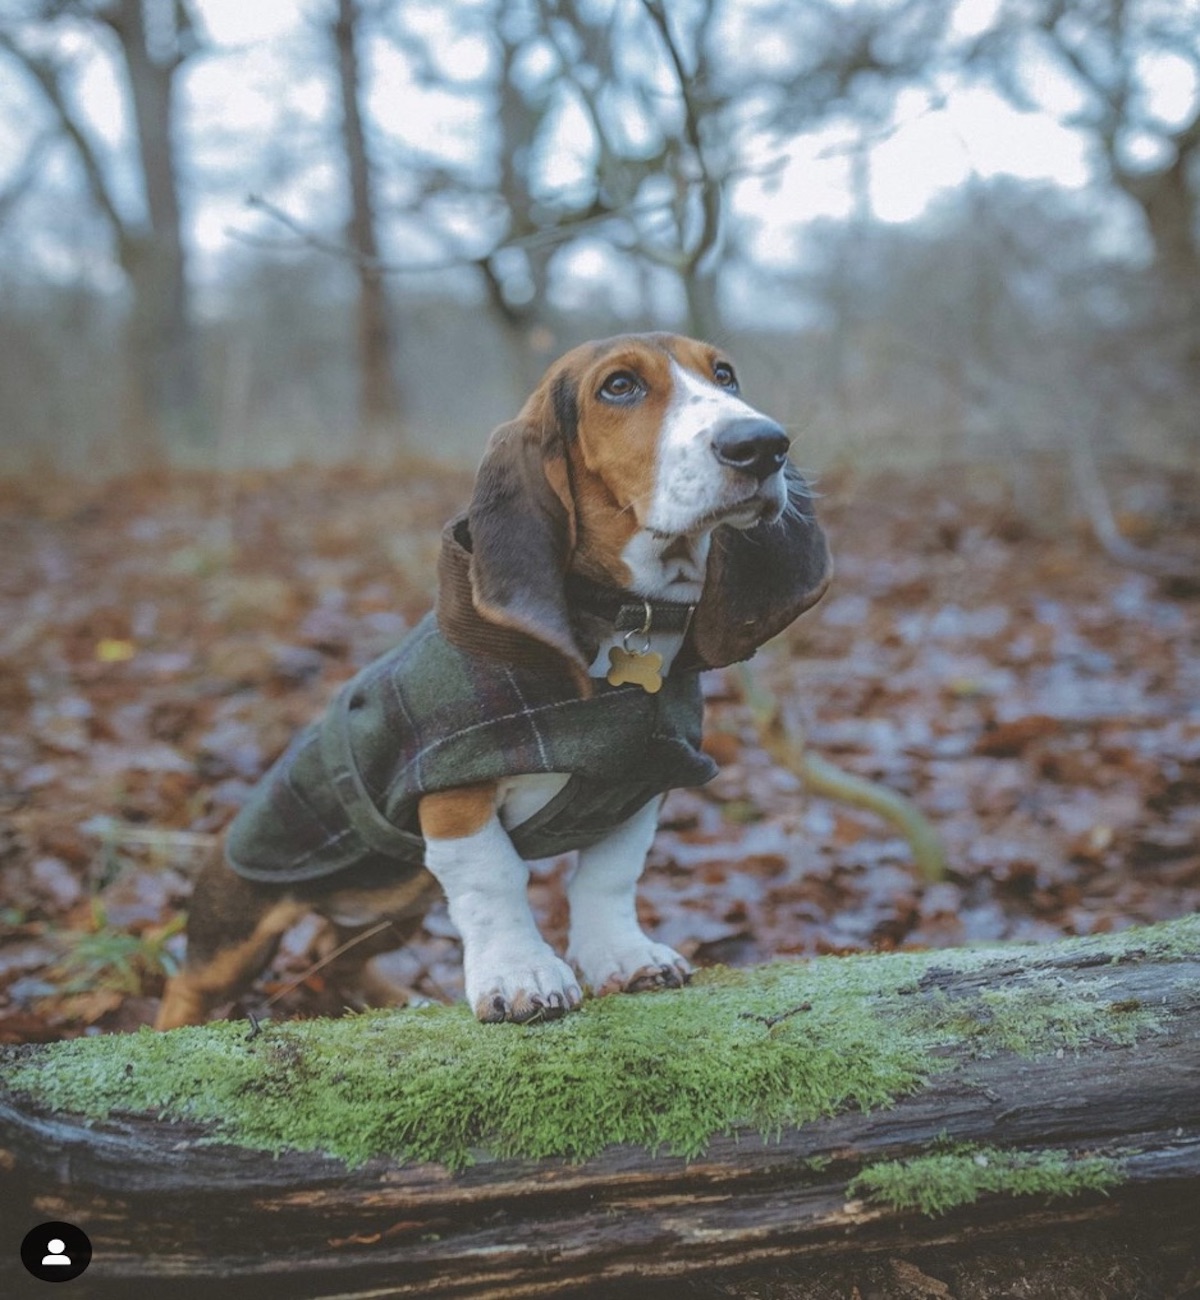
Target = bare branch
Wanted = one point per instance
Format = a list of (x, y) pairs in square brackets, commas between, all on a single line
[(22, 178), (48, 78), (335, 248), (710, 190), (567, 228)]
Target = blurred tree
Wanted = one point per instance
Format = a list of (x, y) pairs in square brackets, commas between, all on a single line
[(1119, 60), (379, 405), (724, 89), (980, 322), (623, 127), (153, 38), (582, 163), (619, 130)]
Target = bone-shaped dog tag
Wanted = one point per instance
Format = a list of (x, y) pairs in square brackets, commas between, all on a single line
[(642, 670)]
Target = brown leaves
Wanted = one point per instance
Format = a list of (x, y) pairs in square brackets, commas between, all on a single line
[(1011, 739)]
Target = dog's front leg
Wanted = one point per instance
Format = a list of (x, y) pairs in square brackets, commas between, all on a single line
[(510, 972), (606, 943)]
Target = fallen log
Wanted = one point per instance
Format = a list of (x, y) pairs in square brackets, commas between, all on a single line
[(801, 1112)]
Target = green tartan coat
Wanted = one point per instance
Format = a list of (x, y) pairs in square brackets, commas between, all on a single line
[(464, 700), (428, 716)]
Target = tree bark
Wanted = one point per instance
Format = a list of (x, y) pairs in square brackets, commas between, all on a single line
[(162, 338), (1171, 207), (164, 396), (159, 1203), (379, 404)]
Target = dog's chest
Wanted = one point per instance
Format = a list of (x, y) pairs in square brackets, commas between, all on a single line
[(519, 797)]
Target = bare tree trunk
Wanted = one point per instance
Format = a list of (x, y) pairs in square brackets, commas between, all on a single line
[(518, 121), (379, 403), (162, 338), (154, 37), (515, 325), (1170, 206), (703, 312)]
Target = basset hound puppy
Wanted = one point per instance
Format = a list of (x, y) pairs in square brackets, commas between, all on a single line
[(637, 522)]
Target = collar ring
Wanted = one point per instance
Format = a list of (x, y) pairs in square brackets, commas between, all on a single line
[(643, 631)]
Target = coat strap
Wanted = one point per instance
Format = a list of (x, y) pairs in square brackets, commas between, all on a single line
[(337, 755)]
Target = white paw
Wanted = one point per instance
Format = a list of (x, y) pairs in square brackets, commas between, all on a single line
[(529, 986), (635, 965)]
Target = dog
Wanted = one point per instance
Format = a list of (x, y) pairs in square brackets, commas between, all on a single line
[(638, 521)]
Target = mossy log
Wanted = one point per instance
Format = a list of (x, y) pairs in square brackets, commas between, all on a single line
[(811, 1111)]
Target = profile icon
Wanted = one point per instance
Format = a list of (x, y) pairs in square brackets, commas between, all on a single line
[(56, 1252), (57, 1255)]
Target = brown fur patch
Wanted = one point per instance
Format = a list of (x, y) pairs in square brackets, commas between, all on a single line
[(454, 814), (697, 356), (615, 451), (615, 458)]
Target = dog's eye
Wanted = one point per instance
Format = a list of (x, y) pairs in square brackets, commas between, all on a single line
[(621, 387), (723, 374)]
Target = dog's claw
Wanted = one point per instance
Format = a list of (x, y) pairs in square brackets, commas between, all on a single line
[(641, 969), (491, 1010), (648, 978), (523, 1004)]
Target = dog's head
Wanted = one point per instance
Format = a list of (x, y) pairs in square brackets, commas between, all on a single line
[(635, 444)]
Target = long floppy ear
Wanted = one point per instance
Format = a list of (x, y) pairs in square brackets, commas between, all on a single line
[(760, 580), (522, 525)]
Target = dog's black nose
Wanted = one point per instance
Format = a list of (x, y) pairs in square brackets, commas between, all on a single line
[(755, 446)]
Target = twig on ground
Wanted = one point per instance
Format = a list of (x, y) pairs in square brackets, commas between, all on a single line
[(822, 777), (1090, 485)]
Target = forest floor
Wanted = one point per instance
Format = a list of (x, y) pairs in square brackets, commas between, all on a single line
[(162, 638)]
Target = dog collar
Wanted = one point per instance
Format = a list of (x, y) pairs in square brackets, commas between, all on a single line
[(625, 610), (637, 617)]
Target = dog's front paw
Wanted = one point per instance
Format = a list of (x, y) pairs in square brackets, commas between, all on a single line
[(540, 989), (637, 966)]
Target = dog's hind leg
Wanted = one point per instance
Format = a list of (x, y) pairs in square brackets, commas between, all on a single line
[(368, 920), (233, 930)]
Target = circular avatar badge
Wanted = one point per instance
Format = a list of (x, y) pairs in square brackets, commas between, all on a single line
[(56, 1252)]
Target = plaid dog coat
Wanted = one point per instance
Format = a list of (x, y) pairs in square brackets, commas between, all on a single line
[(427, 717), (461, 701)]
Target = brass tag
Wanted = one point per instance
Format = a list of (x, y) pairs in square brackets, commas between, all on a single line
[(637, 669)]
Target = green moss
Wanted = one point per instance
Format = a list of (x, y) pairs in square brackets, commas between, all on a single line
[(662, 1071), (937, 1183), (1037, 1015), (767, 1049)]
